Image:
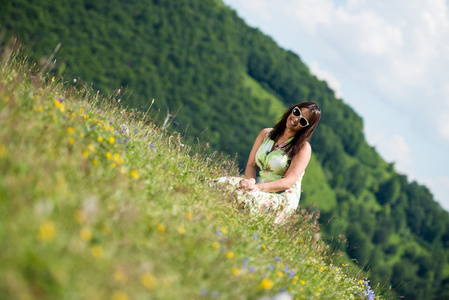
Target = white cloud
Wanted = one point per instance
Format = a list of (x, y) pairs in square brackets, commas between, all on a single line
[(331, 80), (396, 149), (440, 189)]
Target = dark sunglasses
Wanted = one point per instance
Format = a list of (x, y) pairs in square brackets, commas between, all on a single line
[(296, 112)]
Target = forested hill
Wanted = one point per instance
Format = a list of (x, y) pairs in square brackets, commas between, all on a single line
[(225, 81)]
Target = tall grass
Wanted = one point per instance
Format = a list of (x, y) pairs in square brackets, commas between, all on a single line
[(90, 212)]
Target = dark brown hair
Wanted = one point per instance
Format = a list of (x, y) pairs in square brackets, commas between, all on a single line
[(303, 135)]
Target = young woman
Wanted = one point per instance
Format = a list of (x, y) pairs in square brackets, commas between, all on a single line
[(281, 154)]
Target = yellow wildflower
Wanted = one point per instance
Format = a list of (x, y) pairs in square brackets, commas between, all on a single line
[(85, 234), (116, 157), (224, 230), (3, 151), (120, 276), (280, 274), (189, 216), (235, 271), (71, 141), (108, 155), (266, 284), (95, 162), (264, 247), (181, 230), (215, 245), (97, 251), (53, 79), (230, 254), (70, 130), (100, 138), (111, 140), (85, 153), (148, 281), (113, 165), (47, 231), (161, 228), (91, 148), (134, 174), (120, 296), (302, 282)]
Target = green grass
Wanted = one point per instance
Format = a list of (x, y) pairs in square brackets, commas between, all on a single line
[(87, 213)]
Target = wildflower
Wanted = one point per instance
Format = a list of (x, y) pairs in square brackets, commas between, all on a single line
[(85, 153), (280, 274), (70, 130), (47, 231), (111, 140), (245, 262), (271, 267), (53, 79), (219, 232), (108, 155), (153, 147), (215, 245), (264, 247), (74, 80), (266, 284), (230, 254), (181, 230), (189, 216), (97, 251), (100, 138), (235, 271), (148, 281), (119, 295), (134, 174), (224, 230), (302, 282), (161, 228), (85, 234), (255, 236), (120, 276)]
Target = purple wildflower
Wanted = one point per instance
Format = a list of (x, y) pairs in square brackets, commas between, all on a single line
[(60, 100)]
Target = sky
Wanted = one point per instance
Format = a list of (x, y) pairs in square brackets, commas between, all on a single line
[(388, 60)]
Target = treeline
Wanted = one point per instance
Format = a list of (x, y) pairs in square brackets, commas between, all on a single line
[(225, 81)]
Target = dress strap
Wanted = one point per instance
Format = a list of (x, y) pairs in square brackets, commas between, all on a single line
[(268, 134)]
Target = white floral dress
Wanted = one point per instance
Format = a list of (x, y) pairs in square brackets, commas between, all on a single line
[(273, 164)]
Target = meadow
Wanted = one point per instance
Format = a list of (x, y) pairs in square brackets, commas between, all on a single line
[(98, 201)]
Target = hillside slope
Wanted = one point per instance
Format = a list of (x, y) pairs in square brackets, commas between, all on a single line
[(91, 213), (226, 81)]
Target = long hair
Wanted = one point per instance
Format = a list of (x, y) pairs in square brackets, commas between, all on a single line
[(303, 135)]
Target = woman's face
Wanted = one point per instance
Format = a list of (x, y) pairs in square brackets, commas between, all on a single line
[(293, 121)]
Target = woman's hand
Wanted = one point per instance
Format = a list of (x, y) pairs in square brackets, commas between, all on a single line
[(247, 184)]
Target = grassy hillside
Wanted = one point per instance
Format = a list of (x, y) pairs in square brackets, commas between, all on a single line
[(89, 212), (223, 81)]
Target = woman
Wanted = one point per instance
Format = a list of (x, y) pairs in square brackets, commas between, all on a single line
[(281, 154)]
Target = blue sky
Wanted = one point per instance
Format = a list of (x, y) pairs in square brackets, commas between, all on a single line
[(389, 60)]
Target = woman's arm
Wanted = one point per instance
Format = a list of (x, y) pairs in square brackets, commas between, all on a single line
[(251, 166), (297, 166)]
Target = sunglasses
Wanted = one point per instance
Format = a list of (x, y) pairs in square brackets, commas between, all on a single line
[(296, 112)]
